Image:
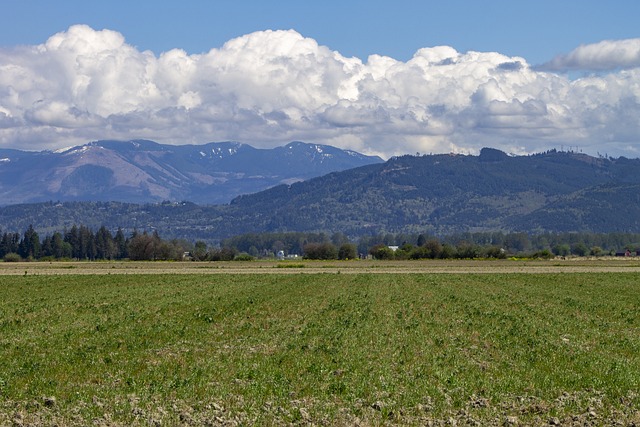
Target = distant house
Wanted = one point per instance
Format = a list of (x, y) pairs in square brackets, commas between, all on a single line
[(394, 248)]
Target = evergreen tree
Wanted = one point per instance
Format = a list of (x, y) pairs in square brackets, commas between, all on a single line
[(72, 237), (61, 249), (87, 243), (9, 243), (46, 248), (121, 244), (30, 244), (105, 245)]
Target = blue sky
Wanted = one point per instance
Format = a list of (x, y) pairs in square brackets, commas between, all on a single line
[(523, 76)]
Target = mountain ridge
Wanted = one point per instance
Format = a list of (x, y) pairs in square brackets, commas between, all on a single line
[(146, 171), (435, 194)]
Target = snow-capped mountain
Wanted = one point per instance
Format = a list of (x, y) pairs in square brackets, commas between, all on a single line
[(145, 171)]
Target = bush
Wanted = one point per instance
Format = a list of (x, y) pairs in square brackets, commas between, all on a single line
[(243, 257), (320, 251), (579, 249), (496, 252), (467, 251), (223, 254), (347, 251), (12, 257), (431, 249), (561, 249), (382, 252), (543, 254)]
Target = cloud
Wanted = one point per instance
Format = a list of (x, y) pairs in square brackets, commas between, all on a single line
[(271, 87), (605, 55)]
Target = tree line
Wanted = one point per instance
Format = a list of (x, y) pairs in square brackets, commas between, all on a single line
[(417, 246), (80, 242)]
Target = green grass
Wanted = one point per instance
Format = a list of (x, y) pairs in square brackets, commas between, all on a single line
[(319, 348)]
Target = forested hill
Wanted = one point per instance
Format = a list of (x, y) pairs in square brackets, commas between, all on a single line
[(438, 194), (554, 191)]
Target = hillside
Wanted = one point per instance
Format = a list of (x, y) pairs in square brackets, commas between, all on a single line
[(439, 194), (142, 171), (447, 193)]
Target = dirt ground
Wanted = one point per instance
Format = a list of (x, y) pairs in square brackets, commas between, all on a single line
[(575, 265)]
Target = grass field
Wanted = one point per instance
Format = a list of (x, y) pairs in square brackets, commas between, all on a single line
[(320, 348)]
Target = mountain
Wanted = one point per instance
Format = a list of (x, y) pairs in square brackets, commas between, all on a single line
[(442, 194), (438, 194), (144, 171)]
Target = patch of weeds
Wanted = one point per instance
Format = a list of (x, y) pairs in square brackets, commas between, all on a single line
[(288, 265)]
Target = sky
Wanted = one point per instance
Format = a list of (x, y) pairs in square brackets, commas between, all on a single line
[(379, 77)]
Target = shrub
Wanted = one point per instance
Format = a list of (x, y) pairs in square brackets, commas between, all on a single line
[(467, 251), (561, 249), (243, 257), (496, 252), (543, 254), (382, 252), (223, 254), (347, 251), (320, 251), (12, 257), (579, 249), (287, 265)]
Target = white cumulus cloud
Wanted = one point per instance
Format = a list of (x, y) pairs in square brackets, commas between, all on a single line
[(605, 55), (271, 87)]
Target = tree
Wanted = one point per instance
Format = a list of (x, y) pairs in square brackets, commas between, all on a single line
[(9, 244), (141, 247), (347, 251), (381, 251), (448, 252), (223, 254), (561, 249), (517, 242), (496, 252), (72, 237), (87, 243), (466, 250), (339, 239), (104, 244), (404, 251), (55, 246), (164, 250), (45, 248), (30, 244), (121, 244), (579, 249), (324, 250), (433, 248), (200, 251), (278, 246)]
